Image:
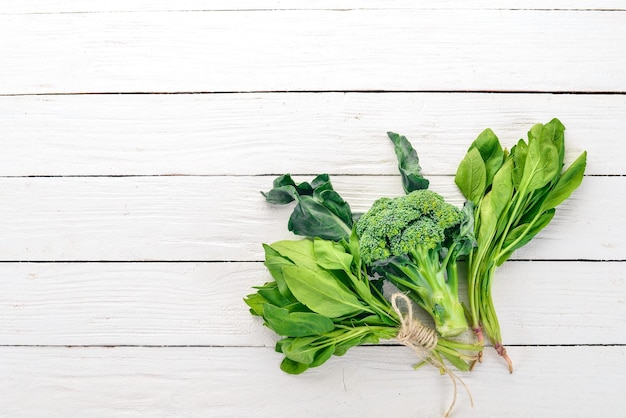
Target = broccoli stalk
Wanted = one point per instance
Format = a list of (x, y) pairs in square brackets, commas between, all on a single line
[(415, 242)]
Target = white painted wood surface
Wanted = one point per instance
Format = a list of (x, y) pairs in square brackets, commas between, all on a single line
[(131, 224)]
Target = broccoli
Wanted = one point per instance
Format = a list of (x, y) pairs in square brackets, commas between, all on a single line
[(415, 241)]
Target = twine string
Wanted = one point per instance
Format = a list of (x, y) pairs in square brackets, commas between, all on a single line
[(423, 340)]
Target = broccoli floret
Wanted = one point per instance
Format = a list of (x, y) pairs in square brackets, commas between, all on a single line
[(415, 242)]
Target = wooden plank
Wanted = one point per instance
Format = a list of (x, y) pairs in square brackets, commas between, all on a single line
[(201, 303), (277, 133), (368, 381), (78, 6), (226, 218), (434, 50)]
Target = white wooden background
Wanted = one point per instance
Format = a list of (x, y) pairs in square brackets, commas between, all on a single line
[(135, 137)]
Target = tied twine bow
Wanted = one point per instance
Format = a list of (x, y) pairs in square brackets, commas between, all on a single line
[(423, 341)]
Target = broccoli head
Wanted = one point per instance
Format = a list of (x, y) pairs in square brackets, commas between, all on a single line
[(415, 242)]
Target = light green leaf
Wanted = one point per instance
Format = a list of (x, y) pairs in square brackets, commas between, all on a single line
[(491, 152), (332, 255), (293, 367), (471, 176), (322, 292), (519, 153), (502, 188), (542, 163), (299, 252), (488, 222), (296, 324), (568, 182)]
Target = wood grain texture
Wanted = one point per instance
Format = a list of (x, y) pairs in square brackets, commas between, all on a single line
[(236, 382), (144, 210), (201, 303), (78, 6), (296, 50), (226, 218), (342, 133)]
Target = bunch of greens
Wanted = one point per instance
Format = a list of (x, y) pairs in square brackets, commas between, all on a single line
[(323, 300), (514, 195), (323, 303)]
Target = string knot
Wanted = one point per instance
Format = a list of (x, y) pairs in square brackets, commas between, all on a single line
[(423, 340), (412, 332)]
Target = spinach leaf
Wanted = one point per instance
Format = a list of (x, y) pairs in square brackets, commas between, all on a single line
[(322, 292), (567, 183), (293, 367), (408, 164), (542, 162), (491, 152), (296, 324), (502, 188), (519, 153), (471, 176), (319, 212)]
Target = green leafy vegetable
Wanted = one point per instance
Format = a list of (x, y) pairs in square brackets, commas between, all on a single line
[(327, 304), (515, 196), (408, 164), (320, 211)]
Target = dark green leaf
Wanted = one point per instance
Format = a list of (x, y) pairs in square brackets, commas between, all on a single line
[(319, 211), (471, 176), (296, 324), (408, 164)]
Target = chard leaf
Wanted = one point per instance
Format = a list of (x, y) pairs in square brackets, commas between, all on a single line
[(491, 152), (568, 182), (408, 164), (471, 176), (296, 324), (322, 292)]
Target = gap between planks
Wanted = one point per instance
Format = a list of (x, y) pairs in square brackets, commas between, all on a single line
[(362, 91)]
